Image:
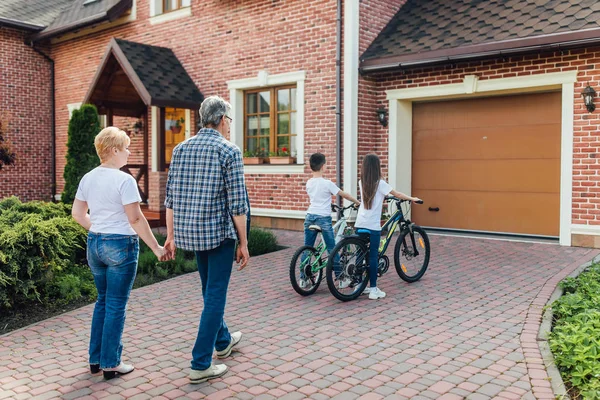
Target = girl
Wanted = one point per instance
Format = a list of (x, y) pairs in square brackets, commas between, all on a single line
[(373, 190)]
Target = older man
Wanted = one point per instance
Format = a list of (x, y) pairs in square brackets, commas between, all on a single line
[(206, 207)]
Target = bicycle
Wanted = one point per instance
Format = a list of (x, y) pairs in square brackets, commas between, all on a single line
[(312, 260), (353, 252)]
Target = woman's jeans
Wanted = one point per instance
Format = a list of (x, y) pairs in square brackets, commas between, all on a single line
[(113, 260), (325, 223), (374, 239), (214, 267)]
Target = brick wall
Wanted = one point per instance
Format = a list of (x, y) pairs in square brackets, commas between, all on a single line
[(26, 96), (586, 167), (223, 41)]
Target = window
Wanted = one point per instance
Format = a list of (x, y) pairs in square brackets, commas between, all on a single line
[(158, 7), (270, 116)]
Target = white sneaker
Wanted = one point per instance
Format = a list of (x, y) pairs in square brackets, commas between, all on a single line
[(344, 283), (214, 371), (303, 283), (366, 291), (235, 339), (376, 293)]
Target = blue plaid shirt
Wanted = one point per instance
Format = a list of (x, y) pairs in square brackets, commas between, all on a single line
[(205, 188)]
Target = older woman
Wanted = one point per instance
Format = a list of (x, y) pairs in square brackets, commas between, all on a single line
[(114, 223)]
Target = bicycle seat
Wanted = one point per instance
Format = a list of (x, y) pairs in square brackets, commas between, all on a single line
[(315, 228)]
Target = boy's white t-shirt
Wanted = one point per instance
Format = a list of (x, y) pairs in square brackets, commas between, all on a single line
[(320, 191), (106, 191), (371, 219)]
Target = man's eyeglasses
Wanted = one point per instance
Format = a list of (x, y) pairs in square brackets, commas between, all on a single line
[(229, 118)]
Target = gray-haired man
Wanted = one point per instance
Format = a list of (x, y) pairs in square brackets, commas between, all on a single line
[(206, 207)]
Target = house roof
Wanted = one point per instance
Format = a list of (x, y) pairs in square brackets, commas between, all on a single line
[(82, 13), (430, 31), (155, 73), (30, 15)]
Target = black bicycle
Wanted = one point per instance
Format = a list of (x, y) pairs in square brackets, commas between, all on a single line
[(411, 255)]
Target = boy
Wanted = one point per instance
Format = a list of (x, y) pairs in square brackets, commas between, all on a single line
[(320, 191)]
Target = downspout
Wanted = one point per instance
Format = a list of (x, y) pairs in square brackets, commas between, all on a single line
[(338, 101), (52, 104)]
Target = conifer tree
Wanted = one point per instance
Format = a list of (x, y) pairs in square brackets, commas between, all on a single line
[(81, 153)]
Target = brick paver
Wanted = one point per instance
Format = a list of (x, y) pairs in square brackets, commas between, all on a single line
[(466, 330)]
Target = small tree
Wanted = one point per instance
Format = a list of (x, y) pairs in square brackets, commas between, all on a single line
[(7, 156), (81, 153)]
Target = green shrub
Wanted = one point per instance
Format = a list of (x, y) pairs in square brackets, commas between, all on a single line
[(81, 153), (575, 337), (261, 241)]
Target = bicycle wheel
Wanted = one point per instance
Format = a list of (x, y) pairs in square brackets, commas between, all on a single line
[(304, 280), (411, 254), (354, 271)]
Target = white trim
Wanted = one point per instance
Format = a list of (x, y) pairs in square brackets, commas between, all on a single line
[(188, 123), (577, 229), (264, 79), (400, 128), (351, 33), (274, 169), (267, 212), (170, 16), (72, 107), (154, 138)]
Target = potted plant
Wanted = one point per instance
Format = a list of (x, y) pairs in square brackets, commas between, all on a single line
[(176, 127), (138, 126), (253, 157), (281, 156)]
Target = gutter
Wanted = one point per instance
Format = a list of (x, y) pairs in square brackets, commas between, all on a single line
[(53, 106), (13, 23), (551, 42), (338, 102)]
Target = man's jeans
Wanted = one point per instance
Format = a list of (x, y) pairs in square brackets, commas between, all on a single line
[(214, 267), (113, 260), (325, 223)]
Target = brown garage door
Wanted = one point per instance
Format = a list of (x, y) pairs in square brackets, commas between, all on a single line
[(488, 164)]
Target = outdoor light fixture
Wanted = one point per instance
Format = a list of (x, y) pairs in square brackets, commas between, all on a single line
[(382, 116), (588, 98)]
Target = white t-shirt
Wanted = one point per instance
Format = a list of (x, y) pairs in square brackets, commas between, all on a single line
[(320, 191), (106, 191), (371, 219)]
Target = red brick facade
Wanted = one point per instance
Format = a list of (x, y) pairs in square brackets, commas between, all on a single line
[(25, 95)]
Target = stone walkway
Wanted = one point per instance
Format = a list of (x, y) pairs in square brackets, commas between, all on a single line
[(466, 330)]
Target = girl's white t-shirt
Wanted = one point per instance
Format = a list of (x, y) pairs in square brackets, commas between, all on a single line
[(106, 191), (320, 191), (371, 219)]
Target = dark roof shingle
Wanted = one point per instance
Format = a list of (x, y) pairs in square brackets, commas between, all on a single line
[(39, 12), (434, 25)]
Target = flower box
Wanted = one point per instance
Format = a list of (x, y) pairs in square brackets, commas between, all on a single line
[(253, 160), (282, 160)]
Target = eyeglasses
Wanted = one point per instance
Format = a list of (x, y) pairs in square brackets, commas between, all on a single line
[(229, 118)]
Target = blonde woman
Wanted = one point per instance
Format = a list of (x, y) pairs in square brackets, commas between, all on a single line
[(115, 221)]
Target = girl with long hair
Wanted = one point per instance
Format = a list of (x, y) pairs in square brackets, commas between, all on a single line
[(373, 190)]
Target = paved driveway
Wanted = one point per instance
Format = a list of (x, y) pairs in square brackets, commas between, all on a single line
[(466, 330)]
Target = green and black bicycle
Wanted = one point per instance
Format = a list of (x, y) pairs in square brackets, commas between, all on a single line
[(411, 255)]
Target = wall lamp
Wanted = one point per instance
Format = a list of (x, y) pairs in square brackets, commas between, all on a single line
[(382, 116), (588, 98)]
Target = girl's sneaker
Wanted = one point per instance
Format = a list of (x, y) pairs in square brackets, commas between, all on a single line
[(303, 283), (376, 293)]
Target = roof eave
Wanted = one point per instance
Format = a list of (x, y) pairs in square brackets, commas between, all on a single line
[(110, 15), (484, 50), (13, 23)]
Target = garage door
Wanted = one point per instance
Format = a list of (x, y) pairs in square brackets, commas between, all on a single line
[(488, 164)]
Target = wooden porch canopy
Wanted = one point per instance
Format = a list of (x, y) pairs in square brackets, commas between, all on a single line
[(133, 76)]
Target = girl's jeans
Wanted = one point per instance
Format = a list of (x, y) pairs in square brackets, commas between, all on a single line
[(113, 260), (374, 239), (326, 226)]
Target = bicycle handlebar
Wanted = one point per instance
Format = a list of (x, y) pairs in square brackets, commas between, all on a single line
[(335, 207), (393, 198)]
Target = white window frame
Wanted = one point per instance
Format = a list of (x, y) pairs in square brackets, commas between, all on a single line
[(263, 79), (157, 16)]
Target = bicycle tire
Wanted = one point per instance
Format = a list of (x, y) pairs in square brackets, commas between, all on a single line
[(314, 280), (359, 281), (404, 248)]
